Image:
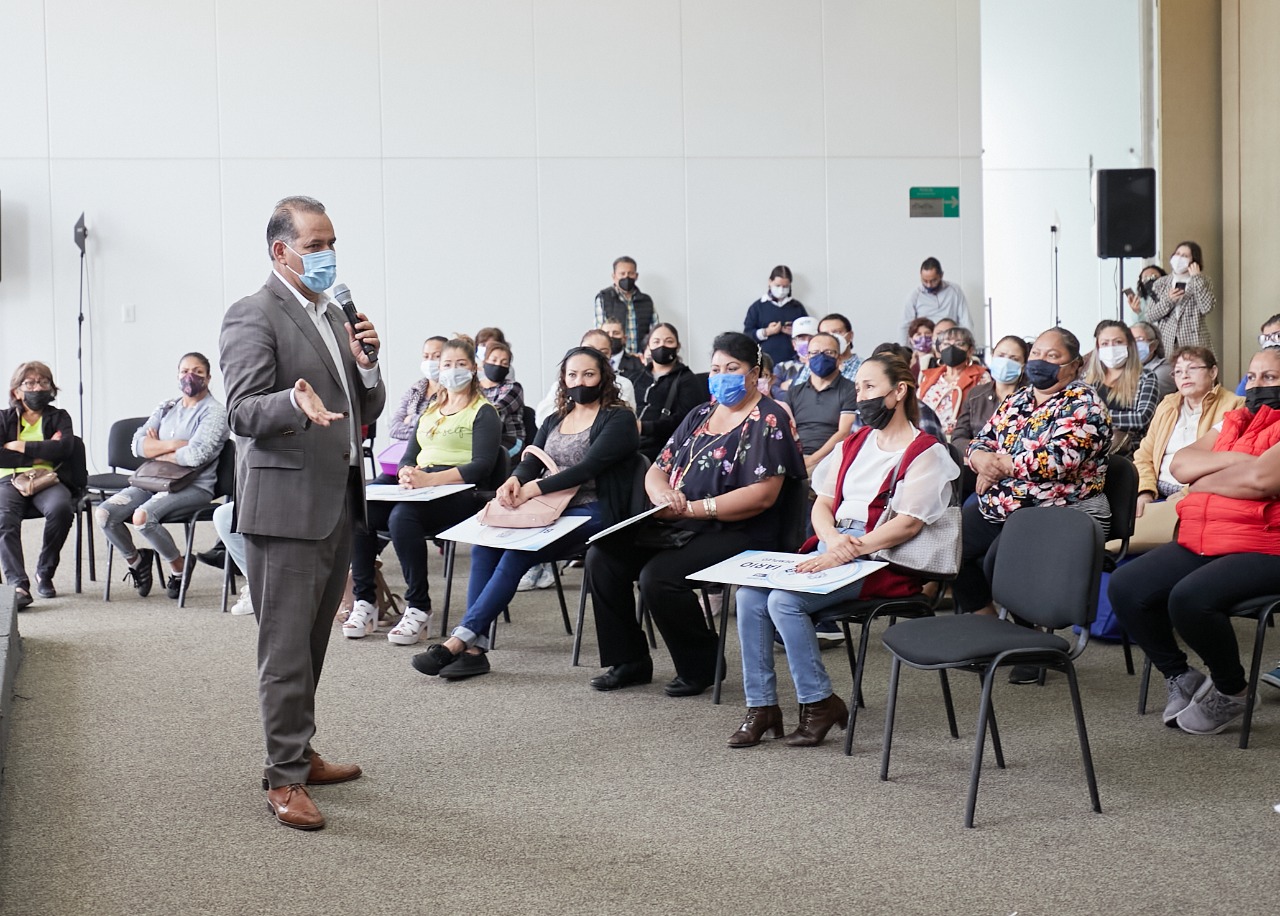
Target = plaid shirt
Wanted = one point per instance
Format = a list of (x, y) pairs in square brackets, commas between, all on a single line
[(508, 397)]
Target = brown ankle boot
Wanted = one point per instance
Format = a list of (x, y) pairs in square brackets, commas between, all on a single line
[(816, 720), (758, 721)]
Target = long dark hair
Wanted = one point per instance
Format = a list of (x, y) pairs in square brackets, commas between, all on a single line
[(612, 396)]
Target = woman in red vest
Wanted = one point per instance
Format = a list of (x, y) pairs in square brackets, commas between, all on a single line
[(852, 484), (1228, 550)]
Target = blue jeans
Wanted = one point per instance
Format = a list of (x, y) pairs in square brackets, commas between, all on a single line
[(495, 573), (760, 612)]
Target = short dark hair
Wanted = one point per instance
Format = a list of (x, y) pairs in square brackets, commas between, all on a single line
[(1197, 256), (1204, 354), (1274, 319), (593, 331), (917, 324), (836, 316), (624, 260), (1019, 342), (204, 360), (436, 339), (281, 227), (781, 271), (894, 349), (931, 264), (739, 346), (1069, 340), (498, 346), (668, 326)]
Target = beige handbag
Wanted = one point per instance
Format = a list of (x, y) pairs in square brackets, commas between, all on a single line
[(535, 513), (31, 482)]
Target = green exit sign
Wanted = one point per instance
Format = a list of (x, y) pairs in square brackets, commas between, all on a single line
[(935, 202)]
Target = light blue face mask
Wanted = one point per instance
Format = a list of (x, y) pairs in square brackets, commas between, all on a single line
[(319, 269), (1144, 350), (728, 388), (1003, 369)]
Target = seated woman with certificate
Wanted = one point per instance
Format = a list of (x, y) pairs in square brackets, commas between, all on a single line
[(853, 485)]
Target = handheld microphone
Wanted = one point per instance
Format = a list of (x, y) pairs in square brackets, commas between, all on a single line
[(342, 293)]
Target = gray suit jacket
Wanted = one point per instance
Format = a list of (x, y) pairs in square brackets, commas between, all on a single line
[(291, 474)]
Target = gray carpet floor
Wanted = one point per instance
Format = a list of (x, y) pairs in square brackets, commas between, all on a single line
[(132, 787)]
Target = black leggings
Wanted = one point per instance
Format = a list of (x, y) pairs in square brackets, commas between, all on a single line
[(1172, 588)]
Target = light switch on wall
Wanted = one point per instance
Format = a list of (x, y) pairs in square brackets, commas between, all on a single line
[(128, 314)]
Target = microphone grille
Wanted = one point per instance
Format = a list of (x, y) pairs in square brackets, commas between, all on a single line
[(342, 293)]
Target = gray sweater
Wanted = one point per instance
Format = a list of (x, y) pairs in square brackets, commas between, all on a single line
[(204, 426)]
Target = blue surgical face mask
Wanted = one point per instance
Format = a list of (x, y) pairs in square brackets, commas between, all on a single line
[(1144, 350), (728, 388), (1003, 369), (319, 269)]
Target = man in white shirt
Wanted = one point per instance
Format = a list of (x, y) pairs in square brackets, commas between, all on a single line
[(596, 339), (935, 299)]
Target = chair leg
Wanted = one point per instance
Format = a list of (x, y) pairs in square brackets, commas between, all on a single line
[(724, 637), (564, 608), (187, 569), (1128, 652), (79, 549), (979, 744), (228, 582), (853, 662), (493, 634), (1085, 754), (1142, 687), (106, 585), (859, 666), (995, 734), (891, 706), (1255, 670), (946, 700), (450, 552), (582, 616), (93, 561)]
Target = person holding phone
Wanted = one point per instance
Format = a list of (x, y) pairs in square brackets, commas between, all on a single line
[(1141, 300), (1182, 300), (770, 318)]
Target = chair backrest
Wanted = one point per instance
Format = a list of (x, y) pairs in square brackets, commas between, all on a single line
[(226, 482), (1122, 493), (74, 472), (793, 510), (120, 444), (639, 500), (530, 420), (1048, 566)]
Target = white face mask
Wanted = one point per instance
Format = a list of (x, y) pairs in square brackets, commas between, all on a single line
[(455, 378), (846, 342), (1113, 357), (780, 292), (1179, 264), (431, 369), (480, 354)]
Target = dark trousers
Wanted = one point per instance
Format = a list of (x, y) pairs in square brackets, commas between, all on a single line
[(972, 587), (411, 526), (1172, 589), (616, 563), (296, 586), (55, 505)]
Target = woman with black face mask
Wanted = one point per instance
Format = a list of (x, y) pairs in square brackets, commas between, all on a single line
[(852, 484), (504, 393), (1045, 445), (35, 438), (591, 436), (670, 390), (1227, 551), (944, 387)]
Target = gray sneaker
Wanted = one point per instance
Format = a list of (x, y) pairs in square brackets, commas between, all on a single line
[(1184, 690), (1211, 713)]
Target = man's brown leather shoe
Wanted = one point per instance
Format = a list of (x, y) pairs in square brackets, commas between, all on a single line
[(293, 807), (324, 773)]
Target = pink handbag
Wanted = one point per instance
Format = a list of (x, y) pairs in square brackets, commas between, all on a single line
[(535, 513)]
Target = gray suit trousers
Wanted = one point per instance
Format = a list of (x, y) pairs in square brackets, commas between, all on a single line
[(296, 587)]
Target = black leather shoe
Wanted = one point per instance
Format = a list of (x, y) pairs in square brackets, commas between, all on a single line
[(628, 674), (685, 687), (215, 556), (45, 589)]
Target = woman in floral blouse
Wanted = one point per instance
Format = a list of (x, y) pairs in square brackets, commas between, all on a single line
[(1046, 445), (719, 477)]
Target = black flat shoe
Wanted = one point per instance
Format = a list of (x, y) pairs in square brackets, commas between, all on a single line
[(21, 599), (215, 556), (628, 674), (466, 665), (45, 589), (1024, 674), (434, 660), (682, 687)]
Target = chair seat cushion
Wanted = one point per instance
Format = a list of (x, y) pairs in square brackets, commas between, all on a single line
[(963, 638), (1251, 606), (107, 481)]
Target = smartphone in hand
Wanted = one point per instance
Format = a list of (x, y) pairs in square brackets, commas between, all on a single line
[(1128, 293), (1180, 285)]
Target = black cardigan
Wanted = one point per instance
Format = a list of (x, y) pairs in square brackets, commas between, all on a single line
[(55, 451), (613, 440), (655, 428)]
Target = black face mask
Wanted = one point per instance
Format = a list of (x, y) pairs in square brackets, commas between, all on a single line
[(873, 413), (37, 401), (626, 284), (953, 356), (616, 344), (584, 394), (1268, 395), (664, 356), (496, 373)]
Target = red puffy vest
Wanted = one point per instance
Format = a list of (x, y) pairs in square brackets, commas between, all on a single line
[(1213, 525), (887, 582)]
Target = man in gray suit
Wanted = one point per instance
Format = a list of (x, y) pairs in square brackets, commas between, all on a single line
[(299, 387)]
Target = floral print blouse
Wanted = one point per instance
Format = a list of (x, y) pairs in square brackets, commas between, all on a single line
[(1059, 449)]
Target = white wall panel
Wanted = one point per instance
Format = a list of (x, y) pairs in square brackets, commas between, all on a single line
[(25, 112), (457, 78), (26, 284), (753, 82), (298, 79), (608, 78), (131, 79)]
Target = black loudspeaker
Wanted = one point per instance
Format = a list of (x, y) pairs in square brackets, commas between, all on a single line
[(1126, 213)]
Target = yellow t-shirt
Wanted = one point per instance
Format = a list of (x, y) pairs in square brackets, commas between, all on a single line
[(28, 432), (445, 441)]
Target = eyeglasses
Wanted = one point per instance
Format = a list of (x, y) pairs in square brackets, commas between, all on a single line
[(1186, 371), (832, 353), (36, 385)]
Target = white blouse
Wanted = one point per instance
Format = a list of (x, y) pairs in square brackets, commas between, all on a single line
[(1185, 432), (923, 493)]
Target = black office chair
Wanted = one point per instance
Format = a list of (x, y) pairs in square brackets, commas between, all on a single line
[(530, 419), (1054, 590), (99, 487)]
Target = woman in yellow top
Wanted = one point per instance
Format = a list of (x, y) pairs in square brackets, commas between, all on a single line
[(458, 440), (1181, 419), (34, 434)]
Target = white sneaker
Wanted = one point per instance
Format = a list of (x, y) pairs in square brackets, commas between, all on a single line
[(362, 621), (245, 604), (411, 628), (546, 578), (529, 581)]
